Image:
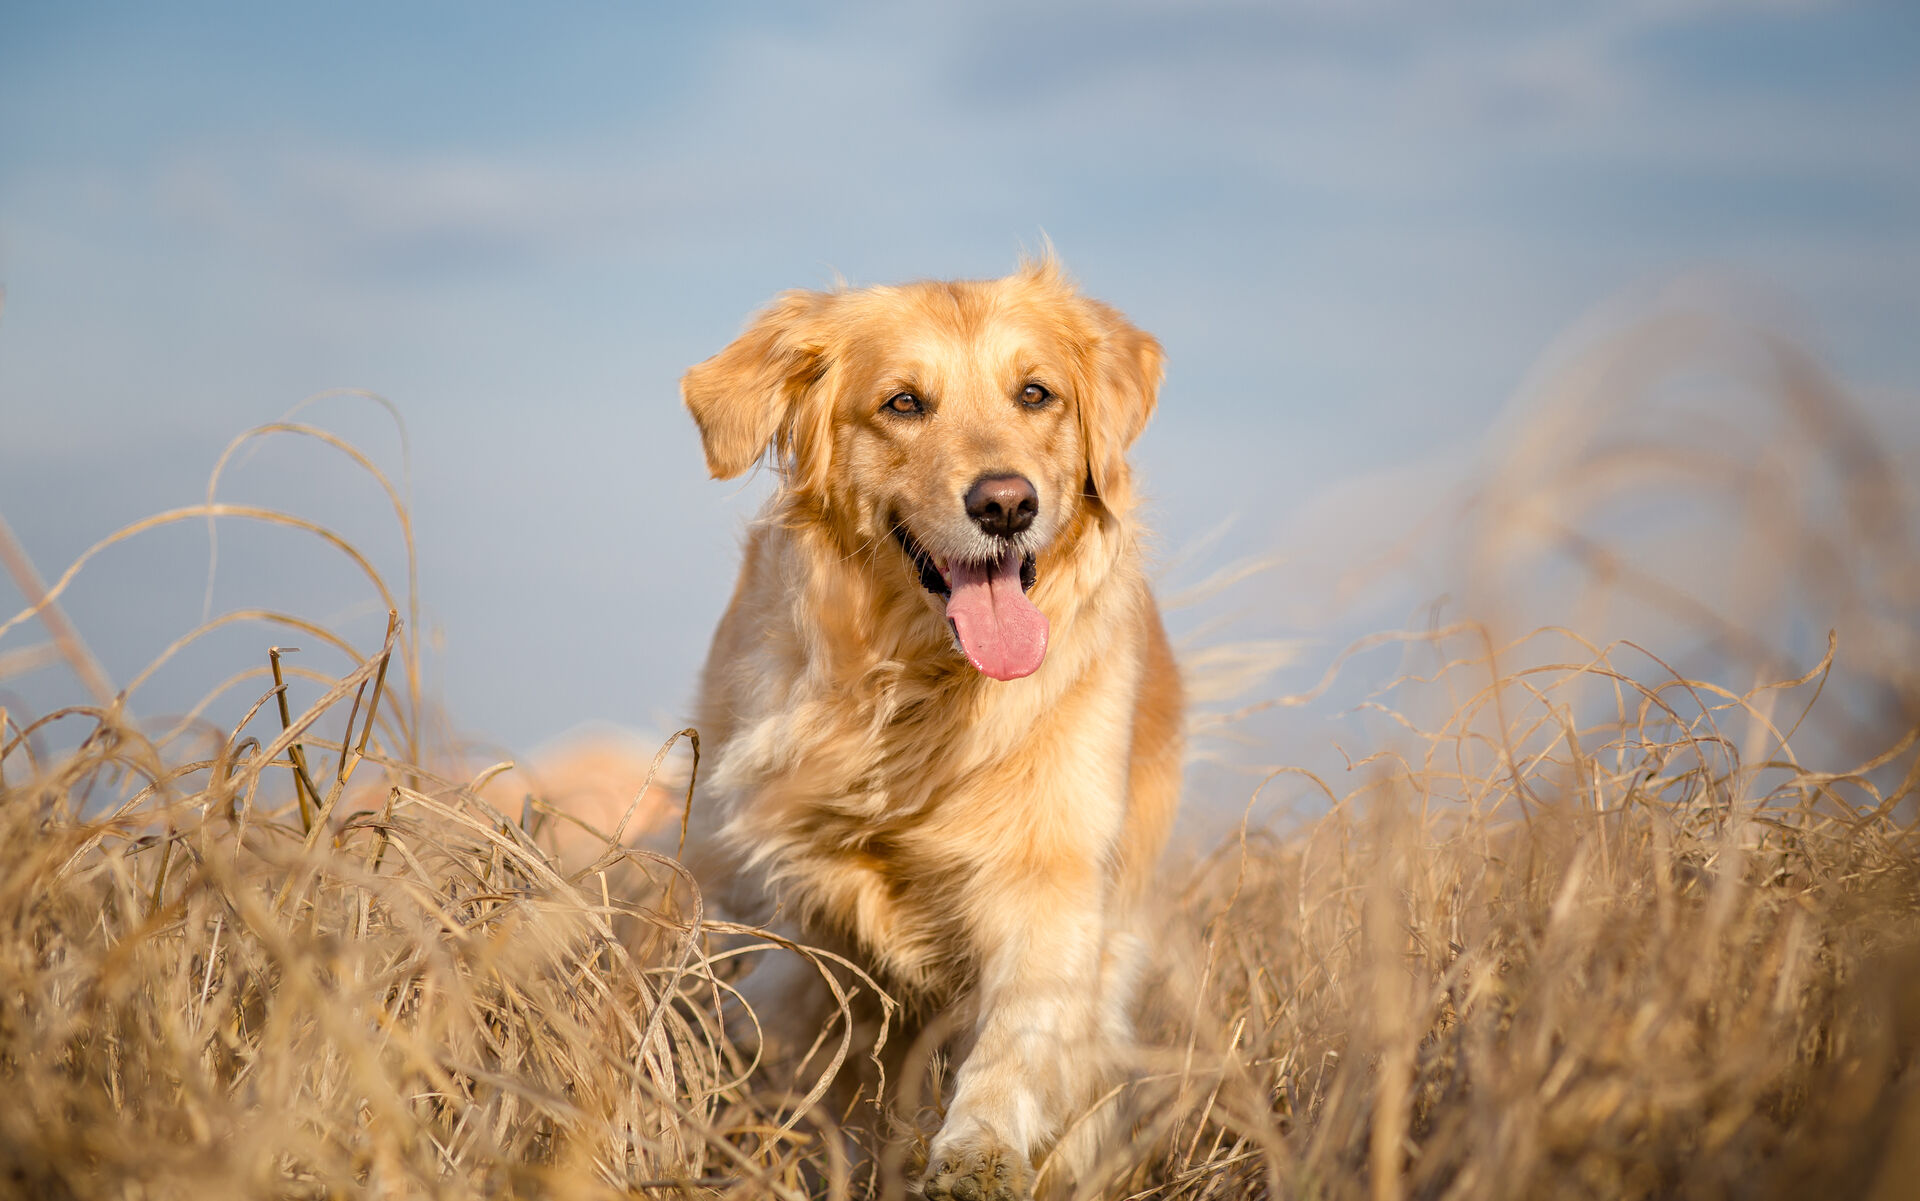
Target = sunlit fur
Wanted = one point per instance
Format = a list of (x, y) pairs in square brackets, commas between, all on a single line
[(983, 846)]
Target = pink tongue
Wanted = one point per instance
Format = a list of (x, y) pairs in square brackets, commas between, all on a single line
[(1003, 634)]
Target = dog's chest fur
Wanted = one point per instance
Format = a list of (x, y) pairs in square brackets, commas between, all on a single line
[(877, 821)]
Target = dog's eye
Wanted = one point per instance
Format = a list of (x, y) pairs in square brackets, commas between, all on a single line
[(1034, 395), (904, 402)]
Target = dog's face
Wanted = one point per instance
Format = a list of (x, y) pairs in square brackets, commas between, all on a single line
[(953, 433)]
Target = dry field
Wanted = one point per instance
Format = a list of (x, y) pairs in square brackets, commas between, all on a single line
[(1578, 926)]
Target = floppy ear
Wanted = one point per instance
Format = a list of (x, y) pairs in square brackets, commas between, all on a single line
[(743, 399), (1128, 367)]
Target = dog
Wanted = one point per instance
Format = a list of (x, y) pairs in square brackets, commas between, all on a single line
[(942, 715)]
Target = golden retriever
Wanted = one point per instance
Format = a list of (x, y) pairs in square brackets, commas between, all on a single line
[(943, 717)]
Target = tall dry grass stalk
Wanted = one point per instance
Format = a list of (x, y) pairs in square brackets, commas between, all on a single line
[(1567, 953), (1585, 927)]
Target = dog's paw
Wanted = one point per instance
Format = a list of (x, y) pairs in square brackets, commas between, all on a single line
[(988, 1173)]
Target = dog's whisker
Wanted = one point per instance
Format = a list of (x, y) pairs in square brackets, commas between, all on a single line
[(863, 549)]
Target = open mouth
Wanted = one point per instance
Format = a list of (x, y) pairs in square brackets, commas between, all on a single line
[(935, 579), (993, 623)]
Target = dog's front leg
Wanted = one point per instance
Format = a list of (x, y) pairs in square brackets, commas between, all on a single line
[(1038, 1049)]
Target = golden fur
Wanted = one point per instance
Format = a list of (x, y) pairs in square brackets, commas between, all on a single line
[(984, 846)]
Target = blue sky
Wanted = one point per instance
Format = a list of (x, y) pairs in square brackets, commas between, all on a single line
[(1355, 227)]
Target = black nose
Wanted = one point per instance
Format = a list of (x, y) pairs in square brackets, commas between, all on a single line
[(1002, 505)]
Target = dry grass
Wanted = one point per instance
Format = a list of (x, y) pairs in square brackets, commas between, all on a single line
[(1585, 928), (1569, 956)]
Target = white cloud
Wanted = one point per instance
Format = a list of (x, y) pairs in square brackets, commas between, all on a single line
[(885, 121)]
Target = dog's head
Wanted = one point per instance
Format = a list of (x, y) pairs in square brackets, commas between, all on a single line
[(968, 428)]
